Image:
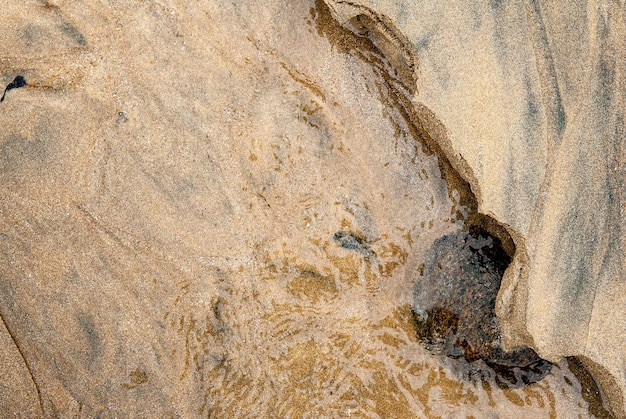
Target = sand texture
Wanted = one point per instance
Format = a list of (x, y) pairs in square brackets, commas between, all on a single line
[(222, 209)]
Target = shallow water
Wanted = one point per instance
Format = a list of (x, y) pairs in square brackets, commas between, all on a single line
[(315, 320), (240, 230)]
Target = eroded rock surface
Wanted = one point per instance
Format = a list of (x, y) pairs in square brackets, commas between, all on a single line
[(529, 101)]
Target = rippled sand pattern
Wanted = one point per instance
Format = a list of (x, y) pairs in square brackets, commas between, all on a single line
[(341, 345)]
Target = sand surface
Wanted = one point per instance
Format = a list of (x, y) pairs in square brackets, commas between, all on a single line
[(219, 210)]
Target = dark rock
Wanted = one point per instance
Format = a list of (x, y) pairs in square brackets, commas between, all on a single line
[(454, 301)]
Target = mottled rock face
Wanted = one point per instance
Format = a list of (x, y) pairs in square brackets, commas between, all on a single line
[(455, 298)]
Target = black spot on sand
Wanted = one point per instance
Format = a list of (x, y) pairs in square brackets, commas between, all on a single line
[(352, 241), (17, 82)]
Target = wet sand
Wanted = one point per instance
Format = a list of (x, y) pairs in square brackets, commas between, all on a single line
[(240, 234)]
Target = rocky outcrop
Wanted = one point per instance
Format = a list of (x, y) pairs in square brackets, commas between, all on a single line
[(527, 100)]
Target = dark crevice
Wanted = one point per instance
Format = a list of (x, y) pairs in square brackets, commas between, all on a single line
[(454, 307), (590, 390), (26, 364)]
